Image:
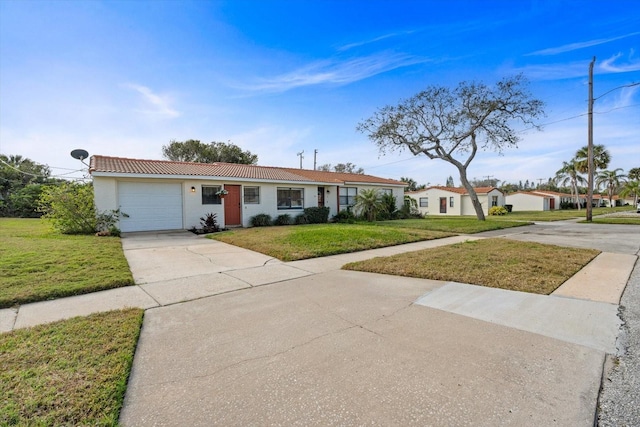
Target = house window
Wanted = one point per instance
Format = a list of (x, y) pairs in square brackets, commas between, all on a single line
[(252, 195), (424, 202), (386, 191), (450, 202), (494, 200), (209, 196), (347, 196), (290, 198)]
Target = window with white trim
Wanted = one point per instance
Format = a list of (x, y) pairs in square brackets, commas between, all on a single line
[(347, 196), (386, 191), (450, 202), (290, 198), (424, 202), (209, 196), (494, 200), (251, 195)]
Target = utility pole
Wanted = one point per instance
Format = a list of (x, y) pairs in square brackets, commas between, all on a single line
[(315, 153), (590, 145), (301, 157)]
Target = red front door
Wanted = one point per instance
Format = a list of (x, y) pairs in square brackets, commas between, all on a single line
[(232, 206), (552, 204), (443, 205)]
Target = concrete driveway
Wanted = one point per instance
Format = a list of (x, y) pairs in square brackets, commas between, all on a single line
[(305, 343)]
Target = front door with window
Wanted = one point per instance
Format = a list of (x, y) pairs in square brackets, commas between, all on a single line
[(232, 206), (320, 197), (443, 205)]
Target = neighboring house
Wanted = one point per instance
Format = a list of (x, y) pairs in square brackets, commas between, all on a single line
[(165, 195), (455, 201), (530, 201), (559, 199)]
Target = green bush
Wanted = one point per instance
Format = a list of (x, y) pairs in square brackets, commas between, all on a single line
[(261, 220), (497, 210), (344, 216), (317, 215), (284, 219), (302, 219), (70, 207)]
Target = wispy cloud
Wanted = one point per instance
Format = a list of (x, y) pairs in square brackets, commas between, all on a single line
[(374, 40), (612, 65), (336, 71), (159, 105), (579, 45)]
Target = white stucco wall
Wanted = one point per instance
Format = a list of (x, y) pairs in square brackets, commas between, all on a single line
[(435, 194), (528, 202), (106, 197)]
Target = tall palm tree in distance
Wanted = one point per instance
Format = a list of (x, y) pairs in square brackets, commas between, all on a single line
[(569, 174), (631, 188), (601, 158), (610, 180)]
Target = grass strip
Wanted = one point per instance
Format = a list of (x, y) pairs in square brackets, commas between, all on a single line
[(72, 372), (458, 224), (615, 220), (498, 263), (290, 243), (37, 263)]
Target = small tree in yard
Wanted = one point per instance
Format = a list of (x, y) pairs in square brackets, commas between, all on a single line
[(452, 125), (71, 209), (368, 204)]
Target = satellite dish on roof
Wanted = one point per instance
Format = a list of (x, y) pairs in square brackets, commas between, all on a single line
[(80, 154)]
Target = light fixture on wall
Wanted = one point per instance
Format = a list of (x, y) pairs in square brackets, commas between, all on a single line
[(193, 189), (328, 191)]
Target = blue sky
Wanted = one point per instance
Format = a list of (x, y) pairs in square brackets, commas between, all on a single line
[(123, 78)]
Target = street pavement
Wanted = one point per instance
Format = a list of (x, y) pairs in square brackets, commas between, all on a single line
[(233, 337)]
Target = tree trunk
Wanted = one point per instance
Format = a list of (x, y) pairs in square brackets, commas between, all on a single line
[(472, 194)]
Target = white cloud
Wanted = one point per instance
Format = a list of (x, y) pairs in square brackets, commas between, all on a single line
[(579, 45), (612, 65), (159, 105), (335, 71), (373, 40)]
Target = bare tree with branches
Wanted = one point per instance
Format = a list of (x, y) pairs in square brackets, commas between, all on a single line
[(453, 124)]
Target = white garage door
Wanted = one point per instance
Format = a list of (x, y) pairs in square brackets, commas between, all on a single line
[(150, 206)]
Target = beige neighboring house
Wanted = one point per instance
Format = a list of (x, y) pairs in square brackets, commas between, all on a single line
[(455, 201), (531, 201), (165, 195)]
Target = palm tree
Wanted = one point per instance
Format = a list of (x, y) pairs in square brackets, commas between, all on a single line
[(611, 181), (634, 173), (601, 158), (569, 174), (631, 188), (368, 203)]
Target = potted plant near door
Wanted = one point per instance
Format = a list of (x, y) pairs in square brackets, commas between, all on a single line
[(222, 193)]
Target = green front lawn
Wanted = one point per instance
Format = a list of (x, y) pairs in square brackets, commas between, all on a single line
[(69, 373), (37, 263), (295, 242), (497, 263)]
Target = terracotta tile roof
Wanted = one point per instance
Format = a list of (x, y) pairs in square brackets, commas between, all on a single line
[(461, 190), (339, 177), (122, 165)]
